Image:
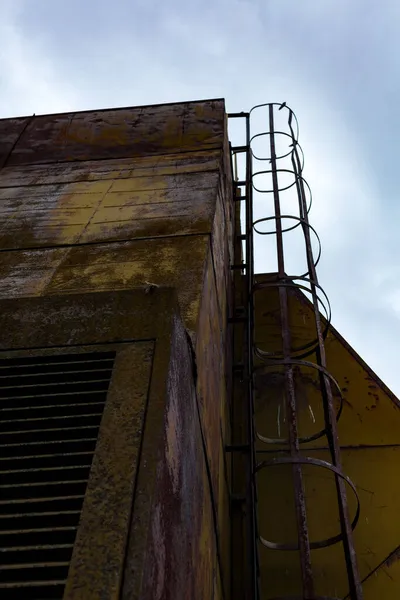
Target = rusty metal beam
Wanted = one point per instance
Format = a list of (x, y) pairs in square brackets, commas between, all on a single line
[(301, 516)]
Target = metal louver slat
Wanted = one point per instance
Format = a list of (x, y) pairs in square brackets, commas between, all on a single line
[(50, 413)]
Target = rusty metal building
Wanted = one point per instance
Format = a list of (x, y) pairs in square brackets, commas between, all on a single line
[(169, 428)]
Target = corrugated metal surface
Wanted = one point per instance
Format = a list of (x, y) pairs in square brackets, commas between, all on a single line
[(50, 412)]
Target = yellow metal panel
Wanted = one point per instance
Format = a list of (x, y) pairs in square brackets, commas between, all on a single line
[(383, 584), (370, 440)]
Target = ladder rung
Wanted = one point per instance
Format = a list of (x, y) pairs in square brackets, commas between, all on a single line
[(236, 149), (239, 115), (240, 315), (238, 448), (240, 310), (238, 499), (237, 319)]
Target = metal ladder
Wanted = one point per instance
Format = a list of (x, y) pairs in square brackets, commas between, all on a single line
[(288, 359)]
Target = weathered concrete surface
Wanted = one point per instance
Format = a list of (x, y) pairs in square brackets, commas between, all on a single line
[(85, 319), (149, 474), (114, 134), (100, 547), (173, 510), (134, 199), (124, 206), (177, 261)]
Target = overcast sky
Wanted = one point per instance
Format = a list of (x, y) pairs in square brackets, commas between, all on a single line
[(336, 62)]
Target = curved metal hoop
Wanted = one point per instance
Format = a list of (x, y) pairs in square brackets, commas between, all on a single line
[(310, 347), (286, 178), (294, 143), (287, 108), (271, 191), (300, 221), (321, 432), (315, 462), (297, 177)]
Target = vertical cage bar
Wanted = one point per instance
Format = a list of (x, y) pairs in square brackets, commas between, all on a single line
[(298, 484), (252, 496), (288, 357), (329, 409)]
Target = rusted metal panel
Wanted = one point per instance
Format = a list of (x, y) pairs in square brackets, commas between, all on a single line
[(118, 133)]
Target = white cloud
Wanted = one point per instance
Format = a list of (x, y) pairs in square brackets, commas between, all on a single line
[(317, 56), (30, 81)]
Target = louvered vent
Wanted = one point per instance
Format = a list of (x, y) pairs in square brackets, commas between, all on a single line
[(50, 412)]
